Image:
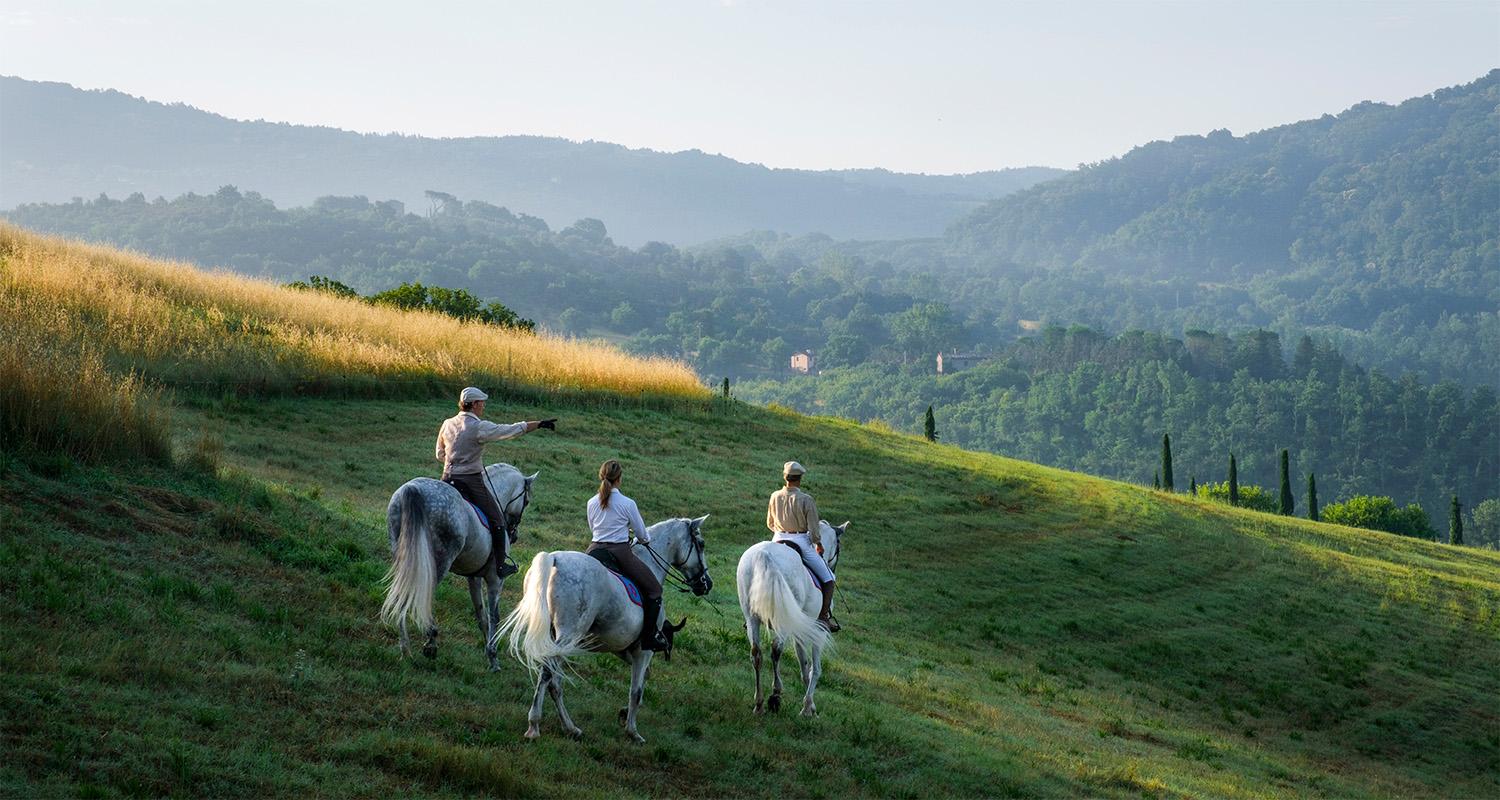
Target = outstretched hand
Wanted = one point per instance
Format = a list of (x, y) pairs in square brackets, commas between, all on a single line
[(549, 424)]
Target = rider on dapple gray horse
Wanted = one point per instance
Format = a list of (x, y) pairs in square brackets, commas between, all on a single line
[(459, 445), (793, 517), (612, 516)]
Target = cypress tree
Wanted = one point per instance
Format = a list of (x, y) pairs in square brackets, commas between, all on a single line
[(1288, 505), (1193, 485), (1156, 480), (1312, 498), (1455, 523), (929, 427), (1166, 463), (1234, 482)]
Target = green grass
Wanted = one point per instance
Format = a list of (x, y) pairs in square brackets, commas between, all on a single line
[(1010, 630)]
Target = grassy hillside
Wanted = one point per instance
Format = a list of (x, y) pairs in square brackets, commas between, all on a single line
[(208, 626)]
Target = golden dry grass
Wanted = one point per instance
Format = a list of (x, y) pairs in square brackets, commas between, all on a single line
[(177, 324)]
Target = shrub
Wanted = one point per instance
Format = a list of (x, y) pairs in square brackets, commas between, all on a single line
[(1381, 514), (1251, 497)]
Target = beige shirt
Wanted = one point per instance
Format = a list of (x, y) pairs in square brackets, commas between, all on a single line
[(793, 511), (462, 438)]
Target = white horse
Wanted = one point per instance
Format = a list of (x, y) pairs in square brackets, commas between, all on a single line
[(433, 531), (572, 604), (776, 588)]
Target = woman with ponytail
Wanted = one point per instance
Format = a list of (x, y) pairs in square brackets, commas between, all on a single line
[(612, 517)]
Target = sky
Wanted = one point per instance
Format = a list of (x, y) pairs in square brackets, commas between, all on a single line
[(936, 86)]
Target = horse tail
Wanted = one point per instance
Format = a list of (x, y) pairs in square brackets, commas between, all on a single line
[(529, 626), (413, 574), (771, 598)]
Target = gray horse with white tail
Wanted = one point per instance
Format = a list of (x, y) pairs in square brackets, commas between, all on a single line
[(777, 589), (572, 604), (434, 531)]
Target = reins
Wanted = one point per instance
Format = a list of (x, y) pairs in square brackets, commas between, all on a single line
[(675, 577)]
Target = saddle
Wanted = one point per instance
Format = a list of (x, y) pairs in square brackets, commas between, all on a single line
[(613, 565), (810, 574)]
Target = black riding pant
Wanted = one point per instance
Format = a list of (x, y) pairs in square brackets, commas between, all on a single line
[(632, 568)]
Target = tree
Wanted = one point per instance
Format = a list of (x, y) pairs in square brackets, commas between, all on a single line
[(929, 427), (1156, 479), (1312, 498), (573, 321), (1166, 463), (1288, 505), (1455, 523), (1193, 485), (1234, 482), (624, 318), (1486, 519)]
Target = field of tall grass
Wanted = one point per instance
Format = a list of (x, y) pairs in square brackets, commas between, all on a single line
[(178, 326)]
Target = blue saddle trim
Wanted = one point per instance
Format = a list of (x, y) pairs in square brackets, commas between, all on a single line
[(482, 519), (633, 593)]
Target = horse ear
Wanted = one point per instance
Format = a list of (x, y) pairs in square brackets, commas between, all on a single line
[(697, 523), (841, 528), (532, 477), (668, 627)]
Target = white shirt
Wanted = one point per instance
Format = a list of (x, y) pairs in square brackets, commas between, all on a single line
[(462, 438), (613, 525)]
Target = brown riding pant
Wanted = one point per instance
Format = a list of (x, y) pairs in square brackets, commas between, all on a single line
[(470, 486), (632, 568)]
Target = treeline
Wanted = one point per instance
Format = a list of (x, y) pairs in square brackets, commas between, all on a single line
[(1080, 400)]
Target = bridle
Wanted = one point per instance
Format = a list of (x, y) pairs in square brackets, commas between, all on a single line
[(512, 522), (700, 584)]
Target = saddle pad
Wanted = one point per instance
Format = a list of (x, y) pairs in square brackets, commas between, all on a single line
[(482, 520), (630, 591)]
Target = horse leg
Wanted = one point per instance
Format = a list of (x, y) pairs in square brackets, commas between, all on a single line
[(405, 642), (774, 703), (554, 690), (429, 648), (638, 669), (812, 668), (752, 626), (489, 620), (534, 717)]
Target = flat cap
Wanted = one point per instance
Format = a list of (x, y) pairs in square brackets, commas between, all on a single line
[(472, 394), (792, 468)]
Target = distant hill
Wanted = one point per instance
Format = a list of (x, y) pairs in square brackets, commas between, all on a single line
[(58, 142), (1405, 195)]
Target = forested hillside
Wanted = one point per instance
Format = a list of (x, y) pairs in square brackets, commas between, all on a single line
[(1083, 401), (58, 142)]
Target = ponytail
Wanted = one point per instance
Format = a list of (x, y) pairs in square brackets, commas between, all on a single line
[(609, 474)]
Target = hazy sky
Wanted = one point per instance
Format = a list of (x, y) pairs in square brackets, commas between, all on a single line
[(923, 86)]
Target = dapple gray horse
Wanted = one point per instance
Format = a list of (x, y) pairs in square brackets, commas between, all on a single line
[(433, 531), (572, 604), (775, 588)]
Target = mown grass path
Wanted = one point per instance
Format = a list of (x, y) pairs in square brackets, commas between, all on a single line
[(1010, 630)]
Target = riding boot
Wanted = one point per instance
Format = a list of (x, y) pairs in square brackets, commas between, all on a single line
[(503, 564), (825, 617), (651, 638)]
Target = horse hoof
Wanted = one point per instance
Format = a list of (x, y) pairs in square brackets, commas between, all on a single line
[(809, 712), (760, 711), (576, 735), (774, 705), (637, 738), (532, 733), (430, 651)]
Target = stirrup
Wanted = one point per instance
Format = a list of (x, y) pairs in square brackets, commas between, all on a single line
[(653, 642), (507, 568), (829, 624)]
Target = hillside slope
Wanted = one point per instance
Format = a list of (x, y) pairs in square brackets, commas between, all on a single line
[(60, 142), (209, 628)]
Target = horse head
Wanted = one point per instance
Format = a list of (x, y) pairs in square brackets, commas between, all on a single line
[(667, 630), (830, 539), (512, 498), (695, 562)]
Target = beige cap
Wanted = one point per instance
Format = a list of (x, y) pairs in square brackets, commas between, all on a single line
[(792, 468), (472, 394)]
